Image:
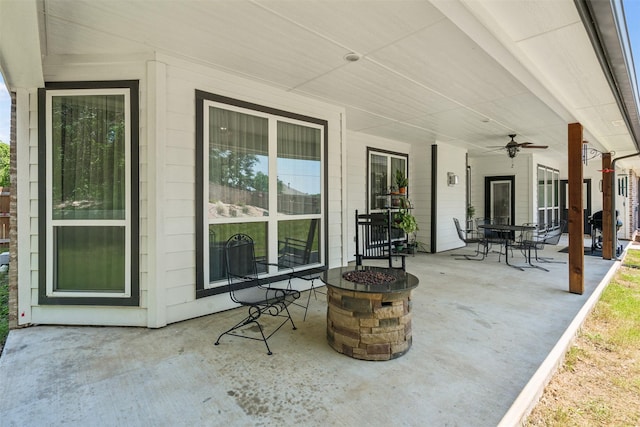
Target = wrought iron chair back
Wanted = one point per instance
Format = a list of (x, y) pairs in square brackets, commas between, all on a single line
[(295, 253), (471, 237), (374, 239), (248, 289)]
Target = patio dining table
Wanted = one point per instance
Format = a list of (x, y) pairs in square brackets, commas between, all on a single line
[(504, 233)]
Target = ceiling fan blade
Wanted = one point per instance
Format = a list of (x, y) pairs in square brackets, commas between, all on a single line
[(535, 146), (495, 146)]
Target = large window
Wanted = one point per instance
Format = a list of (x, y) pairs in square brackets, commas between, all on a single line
[(88, 161), (262, 174), (548, 200)]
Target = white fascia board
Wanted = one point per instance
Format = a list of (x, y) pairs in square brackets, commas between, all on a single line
[(20, 54)]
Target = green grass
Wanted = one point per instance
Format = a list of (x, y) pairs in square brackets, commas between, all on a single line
[(4, 308), (601, 374), (632, 258)]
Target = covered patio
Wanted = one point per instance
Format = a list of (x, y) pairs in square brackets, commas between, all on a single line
[(478, 340)]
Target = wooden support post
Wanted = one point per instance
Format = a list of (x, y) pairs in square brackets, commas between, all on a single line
[(607, 200), (576, 218)]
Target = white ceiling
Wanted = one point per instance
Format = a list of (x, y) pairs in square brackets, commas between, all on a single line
[(465, 72)]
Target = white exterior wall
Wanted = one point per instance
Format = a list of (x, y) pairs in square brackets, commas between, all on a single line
[(177, 274), (450, 198), (356, 199), (500, 165), (420, 170), (592, 171), (167, 184), (83, 68), (542, 158)]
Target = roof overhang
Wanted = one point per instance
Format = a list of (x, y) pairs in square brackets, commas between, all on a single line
[(20, 57), (606, 26)]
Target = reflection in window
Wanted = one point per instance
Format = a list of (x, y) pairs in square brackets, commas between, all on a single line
[(75, 246), (261, 169), (88, 140), (382, 173), (218, 236), (238, 164), (379, 179), (298, 169), (298, 242), (88, 157)]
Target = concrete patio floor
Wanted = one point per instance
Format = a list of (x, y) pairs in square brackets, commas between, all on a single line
[(481, 330)]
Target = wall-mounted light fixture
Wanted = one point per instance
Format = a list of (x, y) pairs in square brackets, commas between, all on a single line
[(452, 178)]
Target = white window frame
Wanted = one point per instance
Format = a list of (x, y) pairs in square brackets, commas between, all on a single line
[(51, 223)]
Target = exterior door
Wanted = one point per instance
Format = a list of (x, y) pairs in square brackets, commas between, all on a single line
[(499, 203)]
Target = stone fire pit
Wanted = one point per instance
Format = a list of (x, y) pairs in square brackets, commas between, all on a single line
[(369, 312)]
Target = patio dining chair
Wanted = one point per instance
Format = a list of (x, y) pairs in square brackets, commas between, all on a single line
[(550, 236), (491, 237), (248, 289), (471, 237)]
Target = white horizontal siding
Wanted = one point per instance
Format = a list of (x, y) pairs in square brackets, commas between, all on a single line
[(451, 198), (167, 183), (183, 79), (420, 184), (357, 144), (84, 68)]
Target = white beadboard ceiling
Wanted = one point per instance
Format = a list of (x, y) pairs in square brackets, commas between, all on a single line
[(465, 72)]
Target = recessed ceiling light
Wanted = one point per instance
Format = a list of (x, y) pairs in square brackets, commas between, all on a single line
[(352, 57)]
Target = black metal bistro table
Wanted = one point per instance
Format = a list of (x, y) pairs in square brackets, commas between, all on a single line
[(504, 233), (369, 311)]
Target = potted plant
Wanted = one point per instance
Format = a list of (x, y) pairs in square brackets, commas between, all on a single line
[(401, 181), (471, 211), (405, 221)]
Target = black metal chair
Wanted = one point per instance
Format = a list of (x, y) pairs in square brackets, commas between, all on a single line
[(248, 289), (551, 237), (536, 240), (374, 239), (295, 253), (470, 237)]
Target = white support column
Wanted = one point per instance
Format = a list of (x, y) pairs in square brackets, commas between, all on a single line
[(26, 139), (156, 156), (346, 216)]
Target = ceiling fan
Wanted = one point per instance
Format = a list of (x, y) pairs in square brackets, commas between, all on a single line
[(514, 147)]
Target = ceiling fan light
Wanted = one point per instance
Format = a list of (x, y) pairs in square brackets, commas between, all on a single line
[(512, 150)]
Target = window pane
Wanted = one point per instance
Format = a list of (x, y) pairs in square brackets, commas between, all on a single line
[(218, 236), (397, 164), (298, 169), (88, 137), (238, 164), (379, 181), (298, 242), (549, 188), (541, 188), (556, 185), (541, 219), (89, 259)]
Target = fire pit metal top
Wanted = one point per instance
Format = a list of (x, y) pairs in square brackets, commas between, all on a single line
[(370, 279)]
